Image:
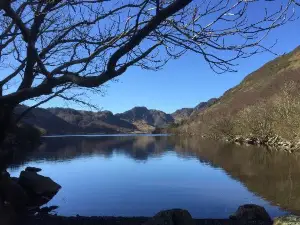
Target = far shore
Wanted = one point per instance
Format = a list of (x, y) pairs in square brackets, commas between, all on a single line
[(103, 135)]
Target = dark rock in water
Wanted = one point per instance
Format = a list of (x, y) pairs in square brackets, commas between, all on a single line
[(38, 200), (287, 220), (46, 210), (172, 217), (251, 212), (38, 184), (13, 193), (33, 169)]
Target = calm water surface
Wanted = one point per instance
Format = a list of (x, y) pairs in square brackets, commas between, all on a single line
[(141, 175)]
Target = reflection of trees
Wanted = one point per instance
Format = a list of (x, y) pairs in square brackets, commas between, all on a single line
[(273, 175)]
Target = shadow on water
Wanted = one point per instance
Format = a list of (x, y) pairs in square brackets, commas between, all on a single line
[(274, 176)]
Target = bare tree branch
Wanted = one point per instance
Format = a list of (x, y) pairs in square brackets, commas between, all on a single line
[(47, 45)]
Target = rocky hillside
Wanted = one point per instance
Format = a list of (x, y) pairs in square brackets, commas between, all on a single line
[(182, 114), (203, 105), (185, 113), (145, 118), (265, 103), (47, 121)]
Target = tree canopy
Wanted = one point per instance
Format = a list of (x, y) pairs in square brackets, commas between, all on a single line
[(50, 46)]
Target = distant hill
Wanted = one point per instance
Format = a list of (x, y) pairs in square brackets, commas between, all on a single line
[(94, 122), (45, 120), (136, 120), (70, 121), (182, 114), (204, 105), (266, 102), (146, 119), (185, 113)]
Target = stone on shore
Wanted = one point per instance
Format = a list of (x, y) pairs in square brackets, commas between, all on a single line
[(251, 212), (38, 184), (171, 217), (239, 139), (287, 220)]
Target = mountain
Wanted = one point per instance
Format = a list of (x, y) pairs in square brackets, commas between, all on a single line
[(146, 119), (45, 120), (94, 122), (70, 121), (266, 102), (139, 119), (185, 113), (182, 114), (204, 105)]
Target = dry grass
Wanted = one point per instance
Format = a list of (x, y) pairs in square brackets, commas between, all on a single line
[(280, 115)]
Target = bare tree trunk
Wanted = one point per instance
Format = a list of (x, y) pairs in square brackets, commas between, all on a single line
[(6, 113)]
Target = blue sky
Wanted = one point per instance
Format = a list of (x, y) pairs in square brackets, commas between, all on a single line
[(184, 82)]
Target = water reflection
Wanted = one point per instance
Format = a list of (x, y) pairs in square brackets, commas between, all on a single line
[(169, 177), (273, 175)]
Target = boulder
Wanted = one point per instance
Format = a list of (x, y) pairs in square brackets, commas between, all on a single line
[(251, 212), (172, 217), (13, 193), (38, 184), (46, 210), (33, 169), (287, 220), (250, 141), (239, 139)]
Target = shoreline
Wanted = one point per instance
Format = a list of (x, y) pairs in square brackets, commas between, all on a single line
[(274, 142), (110, 220)]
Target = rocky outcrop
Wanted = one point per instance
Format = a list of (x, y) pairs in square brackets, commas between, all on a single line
[(172, 217), (182, 114), (251, 212), (38, 184), (25, 194), (273, 142), (33, 169), (287, 220)]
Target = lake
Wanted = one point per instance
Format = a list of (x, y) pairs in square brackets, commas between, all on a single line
[(141, 175)]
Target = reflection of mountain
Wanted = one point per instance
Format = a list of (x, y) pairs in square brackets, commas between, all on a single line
[(138, 148), (275, 176)]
